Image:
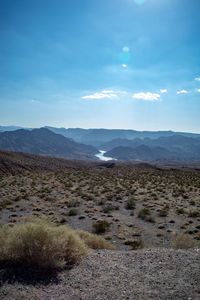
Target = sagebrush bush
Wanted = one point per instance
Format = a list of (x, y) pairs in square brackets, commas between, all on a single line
[(180, 211), (94, 241), (42, 244), (145, 214), (183, 241), (101, 226), (164, 211), (194, 214), (130, 203), (108, 208), (135, 244), (73, 212)]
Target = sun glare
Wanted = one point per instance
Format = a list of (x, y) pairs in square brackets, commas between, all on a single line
[(139, 2)]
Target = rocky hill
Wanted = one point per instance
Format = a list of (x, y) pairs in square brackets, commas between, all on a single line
[(45, 142), (172, 148)]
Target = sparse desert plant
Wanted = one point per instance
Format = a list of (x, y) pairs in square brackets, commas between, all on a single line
[(145, 214), (185, 196), (101, 202), (180, 211), (135, 244), (183, 241), (4, 230), (164, 211), (108, 208), (40, 244), (101, 226), (94, 241), (4, 204), (73, 212), (130, 203), (194, 214), (192, 202), (73, 203)]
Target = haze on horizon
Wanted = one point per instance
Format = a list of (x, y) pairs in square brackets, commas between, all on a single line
[(130, 64)]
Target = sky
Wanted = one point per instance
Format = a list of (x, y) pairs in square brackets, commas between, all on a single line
[(100, 64)]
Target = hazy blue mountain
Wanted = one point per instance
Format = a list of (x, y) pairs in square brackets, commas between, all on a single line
[(73, 133), (9, 128), (142, 152), (98, 137), (44, 142), (162, 149), (120, 144), (171, 142)]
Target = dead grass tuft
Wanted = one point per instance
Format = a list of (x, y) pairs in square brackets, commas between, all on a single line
[(183, 241), (94, 241)]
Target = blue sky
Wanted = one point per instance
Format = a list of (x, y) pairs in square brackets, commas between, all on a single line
[(109, 63)]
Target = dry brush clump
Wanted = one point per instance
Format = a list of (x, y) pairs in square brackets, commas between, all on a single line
[(183, 241), (94, 241), (130, 203), (43, 245), (101, 226)]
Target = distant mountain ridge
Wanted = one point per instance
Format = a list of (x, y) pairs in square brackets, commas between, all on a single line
[(9, 128), (97, 137), (44, 142), (178, 141), (172, 148), (78, 143), (141, 153)]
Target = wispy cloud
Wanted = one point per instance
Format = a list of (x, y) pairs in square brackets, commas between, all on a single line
[(197, 78), (179, 92), (146, 96), (105, 94), (163, 91), (32, 101), (198, 90), (111, 94)]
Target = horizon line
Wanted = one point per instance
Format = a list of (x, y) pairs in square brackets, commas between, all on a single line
[(100, 128)]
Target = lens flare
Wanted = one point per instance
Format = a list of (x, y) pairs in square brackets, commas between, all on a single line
[(126, 49), (125, 56), (139, 2)]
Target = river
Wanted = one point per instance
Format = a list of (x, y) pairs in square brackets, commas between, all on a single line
[(102, 157)]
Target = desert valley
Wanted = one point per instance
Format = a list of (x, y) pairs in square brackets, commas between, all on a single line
[(99, 150), (133, 205)]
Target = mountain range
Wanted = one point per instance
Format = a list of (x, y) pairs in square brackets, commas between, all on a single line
[(44, 142), (79, 143), (97, 137)]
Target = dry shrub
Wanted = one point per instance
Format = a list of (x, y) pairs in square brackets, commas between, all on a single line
[(183, 241), (135, 244), (40, 244), (194, 214), (3, 236), (94, 241), (130, 203), (101, 226)]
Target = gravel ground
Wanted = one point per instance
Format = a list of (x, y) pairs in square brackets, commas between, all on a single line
[(147, 274)]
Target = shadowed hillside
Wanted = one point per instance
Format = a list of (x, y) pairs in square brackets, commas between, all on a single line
[(44, 142)]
